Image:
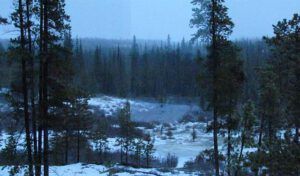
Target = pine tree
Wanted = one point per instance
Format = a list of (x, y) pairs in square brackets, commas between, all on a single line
[(18, 17), (247, 131), (134, 54), (126, 132), (231, 77), (9, 153), (149, 149), (269, 103), (52, 24), (99, 137), (213, 25), (285, 50), (138, 147)]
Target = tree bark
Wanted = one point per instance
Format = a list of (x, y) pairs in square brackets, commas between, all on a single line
[(25, 89), (45, 87), (260, 137), (296, 132), (229, 152), (32, 92), (67, 147), (215, 91), (78, 145), (242, 148), (41, 115), (39, 155)]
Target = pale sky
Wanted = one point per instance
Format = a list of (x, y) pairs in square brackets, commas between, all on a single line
[(155, 19)]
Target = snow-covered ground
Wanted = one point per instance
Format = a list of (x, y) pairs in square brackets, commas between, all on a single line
[(142, 110), (180, 144), (98, 170), (4, 90)]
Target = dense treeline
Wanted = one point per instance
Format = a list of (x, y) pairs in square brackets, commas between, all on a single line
[(139, 70), (163, 68)]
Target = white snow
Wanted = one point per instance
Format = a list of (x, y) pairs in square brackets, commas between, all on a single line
[(182, 145), (142, 110), (4, 90), (111, 105), (96, 170)]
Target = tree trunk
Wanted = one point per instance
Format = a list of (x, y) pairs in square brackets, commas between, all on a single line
[(121, 154), (216, 150), (229, 152), (41, 115), (100, 154), (39, 155), (260, 132), (66, 147), (242, 148), (297, 134), (270, 131), (126, 156), (25, 90), (237, 172), (78, 145), (215, 91), (260, 138), (45, 89), (32, 94), (147, 160)]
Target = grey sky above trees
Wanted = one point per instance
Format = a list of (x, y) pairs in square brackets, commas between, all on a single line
[(155, 19)]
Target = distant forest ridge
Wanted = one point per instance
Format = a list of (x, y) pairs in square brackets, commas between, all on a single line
[(146, 68)]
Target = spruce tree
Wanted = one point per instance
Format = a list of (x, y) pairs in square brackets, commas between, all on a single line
[(285, 61), (52, 25), (247, 130), (134, 54), (18, 17), (149, 149), (214, 25), (126, 132), (97, 69), (99, 137)]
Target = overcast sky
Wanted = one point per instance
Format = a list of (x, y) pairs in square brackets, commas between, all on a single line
[(155, 19)]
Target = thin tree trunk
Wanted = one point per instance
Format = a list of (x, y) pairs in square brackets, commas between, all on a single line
[(41, 115), (229, 152), (260, 133), (270, 130), (147, 160), (126, 156), (242, 148), (45, 90), (67, 147), (297, 134), (216, 150), (100, 154), (32, 94), (260, 138), (215, 91), (78, 145), (121, 153), (39, 156), (25, 91), (240, 155)]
